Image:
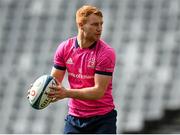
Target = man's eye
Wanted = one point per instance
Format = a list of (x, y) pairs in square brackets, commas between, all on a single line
[(96, 24)]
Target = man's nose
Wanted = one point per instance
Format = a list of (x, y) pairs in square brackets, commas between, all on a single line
[(99, 28)]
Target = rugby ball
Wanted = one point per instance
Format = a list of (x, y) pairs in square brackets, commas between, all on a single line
[(38, 98)]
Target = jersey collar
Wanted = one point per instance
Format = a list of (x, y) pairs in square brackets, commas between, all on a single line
[(91, 47)]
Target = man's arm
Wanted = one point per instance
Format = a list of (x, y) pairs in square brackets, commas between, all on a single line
[(89, 93), (58, 74)]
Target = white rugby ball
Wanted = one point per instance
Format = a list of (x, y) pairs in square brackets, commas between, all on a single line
[(38, 98)]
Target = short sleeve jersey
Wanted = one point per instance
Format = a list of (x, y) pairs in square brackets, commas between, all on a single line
[(82, 64)]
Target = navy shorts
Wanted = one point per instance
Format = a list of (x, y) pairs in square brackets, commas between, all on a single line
[(104, 124)]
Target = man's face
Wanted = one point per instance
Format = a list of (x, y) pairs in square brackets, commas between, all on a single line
[(93, 27)]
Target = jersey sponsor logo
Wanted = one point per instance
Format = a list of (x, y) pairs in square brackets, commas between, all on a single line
[(81, 76), (69, 61)]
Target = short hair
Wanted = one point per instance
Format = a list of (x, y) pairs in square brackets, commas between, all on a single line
[(86, 10)]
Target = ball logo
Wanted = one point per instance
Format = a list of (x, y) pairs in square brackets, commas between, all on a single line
[(33, 93), (45, 103)]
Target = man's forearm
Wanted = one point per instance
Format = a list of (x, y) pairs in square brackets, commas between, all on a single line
[(89, 93)]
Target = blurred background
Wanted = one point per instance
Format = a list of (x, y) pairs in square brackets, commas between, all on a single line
[(145, 35)]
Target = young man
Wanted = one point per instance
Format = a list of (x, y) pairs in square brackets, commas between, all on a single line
[(90, 63)]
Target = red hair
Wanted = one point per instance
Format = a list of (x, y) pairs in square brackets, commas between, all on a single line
[(86, 10)]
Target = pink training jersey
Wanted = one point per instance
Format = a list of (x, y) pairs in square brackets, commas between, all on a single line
[(81, 65)]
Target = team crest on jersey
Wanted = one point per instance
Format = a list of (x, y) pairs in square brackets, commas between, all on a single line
[(91, 62)]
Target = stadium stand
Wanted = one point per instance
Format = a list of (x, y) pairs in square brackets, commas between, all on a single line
[(145, 35)]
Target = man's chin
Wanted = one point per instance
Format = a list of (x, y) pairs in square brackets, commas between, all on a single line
[(98, 37)]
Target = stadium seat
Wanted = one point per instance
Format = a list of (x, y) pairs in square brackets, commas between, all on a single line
[(144, 34)]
